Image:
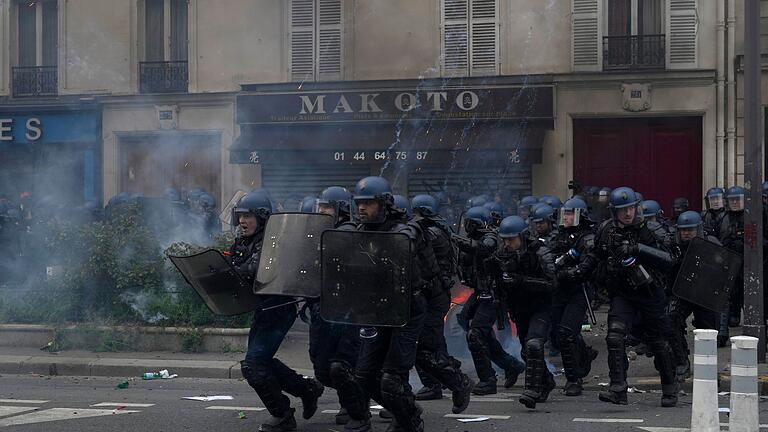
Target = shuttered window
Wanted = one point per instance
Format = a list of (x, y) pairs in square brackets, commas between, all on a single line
[(316, 40), (27, 34), (470, 37), (586, 35), (166, 40), (292, 183), (682, 30)]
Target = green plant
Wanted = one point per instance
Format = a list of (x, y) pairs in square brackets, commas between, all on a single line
[(191, 340)]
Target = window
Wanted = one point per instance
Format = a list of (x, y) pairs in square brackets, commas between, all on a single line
[(635, 37), (316, 40), (470, 37), (165, 68), (37, 33)]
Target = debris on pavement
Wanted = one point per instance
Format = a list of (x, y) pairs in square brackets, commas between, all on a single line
[(241, 415), (123, 385), (473, 419), (163, 374), (635, 390), (207, 398)]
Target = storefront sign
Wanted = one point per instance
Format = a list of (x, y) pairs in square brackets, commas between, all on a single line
[(65, 127), (417, 104)]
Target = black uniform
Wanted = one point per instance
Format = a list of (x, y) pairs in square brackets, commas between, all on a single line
[(386, 359), (267, 375), (732, 238), (712, 221), (526, 277), (569, 304), (333, 350), (482, 311), (434, 365), (636, 290), (680, 310)]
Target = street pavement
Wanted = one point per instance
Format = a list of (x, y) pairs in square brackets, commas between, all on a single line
[(35, 403)]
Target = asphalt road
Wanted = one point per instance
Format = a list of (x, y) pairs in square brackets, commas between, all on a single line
[(33, 403)]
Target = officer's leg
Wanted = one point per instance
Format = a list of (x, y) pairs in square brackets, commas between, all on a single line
[(342, 368), (679, 311), (659, 332), (430, 346), (267, 332), (538, 380), (478, 338), (319, 351), (400, 358), (620, 313), (577, 357)]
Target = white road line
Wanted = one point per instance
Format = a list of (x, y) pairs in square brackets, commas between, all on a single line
[(461, 416), (607, 420), (663, 429), (11, 410), (476, 399), (233, 408), (24, 401), (123, 404), (55, 414)]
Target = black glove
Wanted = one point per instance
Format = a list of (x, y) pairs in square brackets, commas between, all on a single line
[(626, 250)]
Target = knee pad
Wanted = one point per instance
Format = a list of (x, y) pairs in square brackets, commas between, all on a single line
[(565, 334), (253, 374), (340, 370), (616, 332), (534, 347), (392, 385)]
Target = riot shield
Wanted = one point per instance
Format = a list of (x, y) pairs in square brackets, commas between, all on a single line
[(366, 278), (217, 282), (290, 257), (707, 274)]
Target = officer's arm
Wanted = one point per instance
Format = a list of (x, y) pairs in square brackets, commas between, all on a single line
[(583, 270), (657, 257), (546, 261)]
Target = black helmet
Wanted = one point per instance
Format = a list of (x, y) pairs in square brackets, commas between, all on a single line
[(256, 203), (426, 205)]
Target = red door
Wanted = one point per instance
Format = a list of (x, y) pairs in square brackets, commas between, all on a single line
[(658, 157)]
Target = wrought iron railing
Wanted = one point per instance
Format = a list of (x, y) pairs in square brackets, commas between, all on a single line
[(35, 81), (163, 77), (634, 52)]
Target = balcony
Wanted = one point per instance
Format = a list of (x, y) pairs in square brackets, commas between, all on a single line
[(163, 77), (35, 81), (640, 52)]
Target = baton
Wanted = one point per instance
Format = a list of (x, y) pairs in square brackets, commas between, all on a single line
[(592, 317), (282, 304)]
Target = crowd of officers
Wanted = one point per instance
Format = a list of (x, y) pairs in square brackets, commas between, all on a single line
[(541, 269)]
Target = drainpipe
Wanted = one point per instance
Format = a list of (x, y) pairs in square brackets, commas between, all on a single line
[(730, 178), (720, 98)]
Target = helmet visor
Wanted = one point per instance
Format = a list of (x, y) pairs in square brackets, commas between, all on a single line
[(569, 217), (715, 201), (736, 202)]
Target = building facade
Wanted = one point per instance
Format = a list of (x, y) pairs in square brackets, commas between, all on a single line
[(460, 96)]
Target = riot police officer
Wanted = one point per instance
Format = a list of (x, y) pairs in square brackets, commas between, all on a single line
[(551, 201), (402, 204), (497, 213), (524, 207), (689, 226), (435, 367), (632, 260), (267, 375), (680, 205), (333, 348), (652, 214), (524, 269), (713, 215), (484, 307), (542, 221), (732, 237), (575, 239), (387, 356)]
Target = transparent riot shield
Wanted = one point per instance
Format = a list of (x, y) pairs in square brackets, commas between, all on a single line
[(217, 282), (707, 274), (290, 257), (366, 278)]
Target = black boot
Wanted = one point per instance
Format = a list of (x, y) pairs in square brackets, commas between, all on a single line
[(361, 425), (485, 387), (513, 373), (615, 396), (533, 385), (342, 417), (535, 374), (286, 423), (669, 395), (617, 366), (417, 423), (461, 396), (549, 385), (430, 393), (310, 397), (574, 388)]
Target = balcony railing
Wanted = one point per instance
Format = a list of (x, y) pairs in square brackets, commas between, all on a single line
[(634, 52), (35, 81), (163, 77)]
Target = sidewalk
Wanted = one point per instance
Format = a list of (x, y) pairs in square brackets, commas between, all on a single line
[(294, 352)]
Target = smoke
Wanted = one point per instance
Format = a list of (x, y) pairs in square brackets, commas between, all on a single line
[(141, 302)]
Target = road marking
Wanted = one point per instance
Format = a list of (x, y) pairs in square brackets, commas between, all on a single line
[(663, 429), (123, 404), (469, 416), (11, 410), (24, 401), (477, 399), (232, 408), (55, 414), (607, 420)]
